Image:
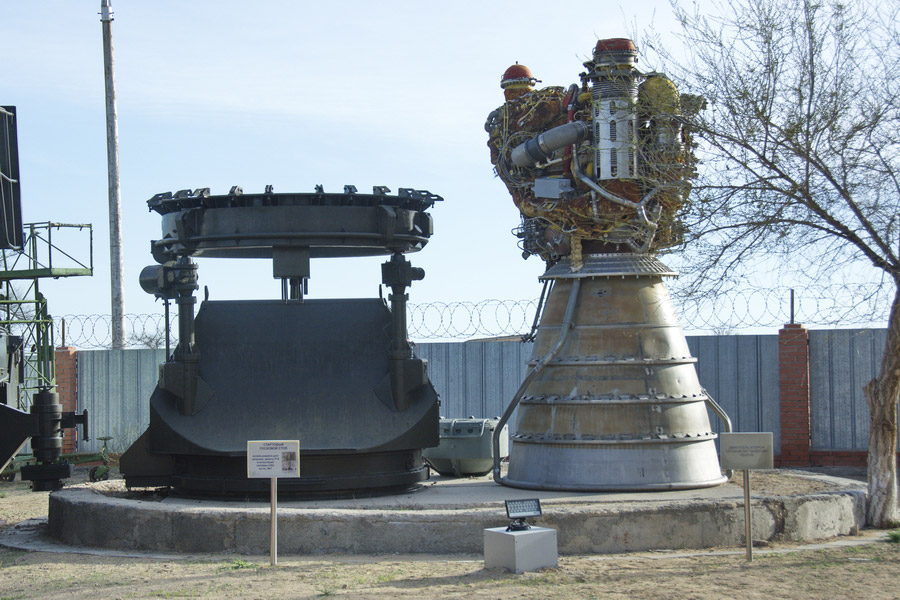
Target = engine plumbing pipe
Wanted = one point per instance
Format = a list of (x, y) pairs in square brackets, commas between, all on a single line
[(541, 147), (567, 324), (544, 145), (720, 412), (640, 207), (569, 100)]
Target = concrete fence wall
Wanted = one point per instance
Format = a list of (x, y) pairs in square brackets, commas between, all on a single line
[(804, 386), (841, 363), (741, 373), (475, 379), (115, 387)]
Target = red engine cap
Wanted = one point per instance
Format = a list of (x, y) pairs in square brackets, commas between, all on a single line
[(517, 75), (615, 45)]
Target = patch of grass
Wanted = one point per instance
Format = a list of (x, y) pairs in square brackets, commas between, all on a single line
[(176, 594), (894, 536), (8, 558), (776, 556), (325, 592), (331, 574), (237, 564), (542, 579)]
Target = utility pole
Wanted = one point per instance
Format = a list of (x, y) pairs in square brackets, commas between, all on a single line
[(116, 269)]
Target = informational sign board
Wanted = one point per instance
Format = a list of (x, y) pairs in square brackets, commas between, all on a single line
[(746, 451), (272, 459)]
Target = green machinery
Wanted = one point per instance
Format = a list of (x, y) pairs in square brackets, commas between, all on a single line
[(24, 316), (23, 308), (29, 405)]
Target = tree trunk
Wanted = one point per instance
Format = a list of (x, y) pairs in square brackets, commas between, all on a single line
[(881, 396)]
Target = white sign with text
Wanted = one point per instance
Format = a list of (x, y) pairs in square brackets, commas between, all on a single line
[(271, 459), (746, 450)]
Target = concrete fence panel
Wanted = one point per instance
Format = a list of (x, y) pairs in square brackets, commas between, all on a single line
[(115, 387), (475, 379), (741, 373), (480, 378), (842, 361)]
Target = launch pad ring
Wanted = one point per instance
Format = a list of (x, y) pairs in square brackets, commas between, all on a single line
[(328, 225), (448, 517)]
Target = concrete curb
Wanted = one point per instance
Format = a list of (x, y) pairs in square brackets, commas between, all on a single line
[(31, 536), (450, 521)]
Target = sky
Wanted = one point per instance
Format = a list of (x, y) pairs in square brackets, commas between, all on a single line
[(290, 94)]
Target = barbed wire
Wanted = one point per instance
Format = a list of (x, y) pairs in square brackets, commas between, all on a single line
[(468, 320), (841, 306), (864, 305), (90, 332)]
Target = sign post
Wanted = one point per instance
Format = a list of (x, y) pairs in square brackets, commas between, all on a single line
[(272, 459), (746, 451)]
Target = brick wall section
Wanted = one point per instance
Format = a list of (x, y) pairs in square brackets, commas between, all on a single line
[(840, 458), (67, 388), (793, 379)]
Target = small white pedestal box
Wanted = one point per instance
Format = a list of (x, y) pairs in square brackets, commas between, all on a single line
[(520, 551)]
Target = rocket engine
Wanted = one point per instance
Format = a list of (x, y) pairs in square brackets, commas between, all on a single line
[(599, 172), (605, 163)]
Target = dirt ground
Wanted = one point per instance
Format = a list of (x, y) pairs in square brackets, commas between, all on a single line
[(870, 570)]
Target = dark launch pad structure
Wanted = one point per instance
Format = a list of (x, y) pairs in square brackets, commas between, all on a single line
[(338, 375)]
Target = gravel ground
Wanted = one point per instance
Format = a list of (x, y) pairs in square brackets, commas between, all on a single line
[(864, 566)]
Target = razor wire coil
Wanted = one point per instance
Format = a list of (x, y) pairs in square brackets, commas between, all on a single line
[(826, 306)]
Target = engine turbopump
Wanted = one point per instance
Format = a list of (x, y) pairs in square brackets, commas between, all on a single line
[(604, 163)]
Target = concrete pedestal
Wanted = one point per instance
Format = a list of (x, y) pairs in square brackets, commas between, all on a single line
[(520, 551)]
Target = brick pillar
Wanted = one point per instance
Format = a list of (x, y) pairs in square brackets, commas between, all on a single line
[(793, 379), (67, 388)]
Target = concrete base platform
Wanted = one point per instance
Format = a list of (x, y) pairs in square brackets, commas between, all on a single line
[(449, 516)]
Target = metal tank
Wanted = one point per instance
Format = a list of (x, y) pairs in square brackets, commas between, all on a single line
[(612, 400)]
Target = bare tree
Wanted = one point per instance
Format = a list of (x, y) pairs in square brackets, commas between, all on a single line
[(148, 339), (799, 143), (148, 331)]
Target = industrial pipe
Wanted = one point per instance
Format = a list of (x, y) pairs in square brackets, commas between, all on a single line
[(563, 334), (720, 412), (638, 206), (569, 101), (544, 145)]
